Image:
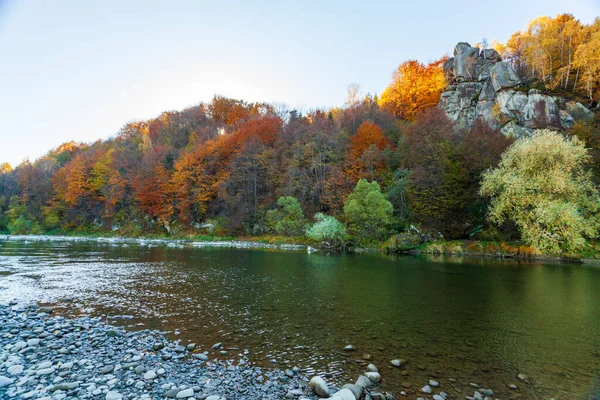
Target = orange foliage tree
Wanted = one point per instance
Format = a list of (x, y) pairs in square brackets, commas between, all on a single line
[(414, 87), (365, 155)]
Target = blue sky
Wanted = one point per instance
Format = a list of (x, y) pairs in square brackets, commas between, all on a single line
[(79, 70)]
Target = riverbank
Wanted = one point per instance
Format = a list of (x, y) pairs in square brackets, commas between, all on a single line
[(469, 248), (47, 357), (503, 250)]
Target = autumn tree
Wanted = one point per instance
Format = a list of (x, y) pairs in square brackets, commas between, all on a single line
[(542, 184), (365, 156), (435, 193), (414, 87)]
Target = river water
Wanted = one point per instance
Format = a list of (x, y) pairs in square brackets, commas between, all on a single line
[(457, 320)]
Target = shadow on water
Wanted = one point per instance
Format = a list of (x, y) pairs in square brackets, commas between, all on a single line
[(459, 320)]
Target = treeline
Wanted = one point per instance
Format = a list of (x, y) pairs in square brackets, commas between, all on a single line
[(560, 53), (237, 168)]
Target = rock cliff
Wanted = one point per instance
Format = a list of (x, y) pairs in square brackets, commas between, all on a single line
[(482, 86)]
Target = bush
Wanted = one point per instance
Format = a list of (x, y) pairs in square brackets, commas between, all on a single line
[(367, 210), (327, 229), (543, 186), (22, 226), (402, 242), (288, 219)]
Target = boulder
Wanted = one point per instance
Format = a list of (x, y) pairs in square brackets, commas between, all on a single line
[(355, 389), (344, 394), (319, 387), (449, 71), (502, 76), (465, 61)]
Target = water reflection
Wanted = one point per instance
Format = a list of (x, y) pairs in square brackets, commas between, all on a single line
[(469, 320)]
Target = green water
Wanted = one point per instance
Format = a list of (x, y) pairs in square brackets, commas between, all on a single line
[(470, 320)]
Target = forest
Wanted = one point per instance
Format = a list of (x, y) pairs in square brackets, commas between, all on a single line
[(369, 171)]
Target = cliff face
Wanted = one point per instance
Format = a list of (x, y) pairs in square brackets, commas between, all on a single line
[(482, 86)]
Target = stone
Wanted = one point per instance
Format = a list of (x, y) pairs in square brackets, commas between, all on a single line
[(345, 394), (150, 375), (319, 387), (184, 394), (398, 363), (426, 389), (372, 368), (434, 383), (363, 382), (486, 392), (523, 377), (355, 389), (465, 60), (502, 76), (217, 346), (113, 333), (113, 395), (15, 370), (45, 371), (374, 377), (5, 381), (107, 369), (349, 348)]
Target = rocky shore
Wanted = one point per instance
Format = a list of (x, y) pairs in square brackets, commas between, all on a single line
[(51, 357)]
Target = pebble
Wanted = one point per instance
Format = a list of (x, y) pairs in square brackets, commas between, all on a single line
[(184, 394), (150, 375), (426, 389)]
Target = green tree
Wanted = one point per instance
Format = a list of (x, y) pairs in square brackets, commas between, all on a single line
[(367, 210), (543, 184), (327, 229), (22, 226), (288, 219)]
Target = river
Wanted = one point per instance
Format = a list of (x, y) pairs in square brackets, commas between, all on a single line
[(456, 320)]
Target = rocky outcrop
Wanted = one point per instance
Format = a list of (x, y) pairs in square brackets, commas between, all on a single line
[(482, 86)]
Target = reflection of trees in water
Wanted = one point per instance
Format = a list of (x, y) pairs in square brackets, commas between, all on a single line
[(478, 320)]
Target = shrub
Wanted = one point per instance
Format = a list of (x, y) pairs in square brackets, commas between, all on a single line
[(327, 229), (543, 186), (23, 226), (367, 210), (288, 219)]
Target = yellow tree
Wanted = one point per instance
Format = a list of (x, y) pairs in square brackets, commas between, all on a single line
[(587, 61), (414, 87)]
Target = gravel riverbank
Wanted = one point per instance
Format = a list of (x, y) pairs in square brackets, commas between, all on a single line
[(46, 357)]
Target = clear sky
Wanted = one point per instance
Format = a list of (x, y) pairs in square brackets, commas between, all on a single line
[(80, 69)]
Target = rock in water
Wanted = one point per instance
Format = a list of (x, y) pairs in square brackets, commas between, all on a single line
[(319, 387), (373, 376), (426, 389), (398, 363)]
